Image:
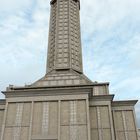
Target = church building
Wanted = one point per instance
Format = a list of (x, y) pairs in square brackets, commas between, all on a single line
[(64, 104)]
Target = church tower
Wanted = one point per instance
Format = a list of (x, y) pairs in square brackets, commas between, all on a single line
[(65, 104), (64, 59), (64, 50)]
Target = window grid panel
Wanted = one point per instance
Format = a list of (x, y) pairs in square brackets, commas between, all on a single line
[(17, 131), (18, 121), (73, 113), (45, 119), (99, 123), (73, 120), (73, 132), (125, 127)]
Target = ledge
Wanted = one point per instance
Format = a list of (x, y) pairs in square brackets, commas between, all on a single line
[(14, 88), (38, 137), (124, 103), (49, 92), (102, 98)]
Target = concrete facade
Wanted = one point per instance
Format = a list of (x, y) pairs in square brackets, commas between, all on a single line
[(65, 104), (139, 133), (66, 113)]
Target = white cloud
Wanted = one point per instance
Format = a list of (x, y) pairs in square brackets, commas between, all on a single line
[(110, 36), (104, 15), (111, 45), (13, 5), (23, 43)]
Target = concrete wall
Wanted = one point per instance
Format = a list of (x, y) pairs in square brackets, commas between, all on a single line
[(67, 117), (100, 123), (124, 120), (47, 119), (2, 109), (101, 118), (139, 133), (101, 90)]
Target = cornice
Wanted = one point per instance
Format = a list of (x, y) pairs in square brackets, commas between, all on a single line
[(124, 103), (102, 98), (48, 91), (14, 88)]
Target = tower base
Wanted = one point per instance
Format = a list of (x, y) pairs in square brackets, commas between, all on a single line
[(84, 112)]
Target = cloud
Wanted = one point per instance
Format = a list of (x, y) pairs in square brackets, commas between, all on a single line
[(7, 6), (110, 39), (111, 45), (23, 43)]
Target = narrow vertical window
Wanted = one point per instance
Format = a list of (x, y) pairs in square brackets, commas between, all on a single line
[(18, 121), (45, 119), (73, 120)]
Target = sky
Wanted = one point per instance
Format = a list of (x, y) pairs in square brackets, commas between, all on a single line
[(110, 32)]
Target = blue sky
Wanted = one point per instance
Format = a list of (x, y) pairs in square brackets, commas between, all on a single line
[(110, 39)]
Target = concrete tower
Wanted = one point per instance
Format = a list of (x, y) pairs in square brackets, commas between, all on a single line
[(64, 62), (64, 51), (65, 104)]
